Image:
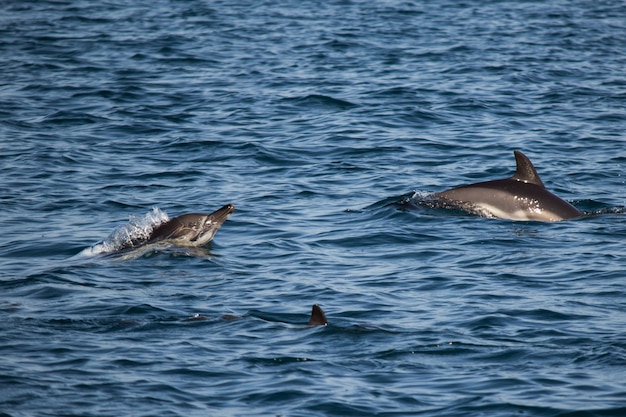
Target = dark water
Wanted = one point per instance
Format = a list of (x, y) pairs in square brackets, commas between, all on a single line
[(318, 120)]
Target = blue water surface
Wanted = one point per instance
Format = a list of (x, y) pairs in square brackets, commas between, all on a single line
[(321, 121)]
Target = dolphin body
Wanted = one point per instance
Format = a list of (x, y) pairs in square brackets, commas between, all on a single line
[(520, 197), (192, 229)]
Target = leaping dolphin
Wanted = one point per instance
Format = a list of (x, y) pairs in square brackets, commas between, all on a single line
[(520, 197), (192, 229)]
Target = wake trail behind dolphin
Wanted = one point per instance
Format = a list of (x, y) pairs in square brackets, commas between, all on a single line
[(132, 234)]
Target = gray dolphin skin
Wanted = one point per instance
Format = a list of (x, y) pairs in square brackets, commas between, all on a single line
[(520, 197), (318, 318), (192, 229)]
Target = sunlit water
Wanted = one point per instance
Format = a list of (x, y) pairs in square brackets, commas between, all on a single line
[(325, 124)]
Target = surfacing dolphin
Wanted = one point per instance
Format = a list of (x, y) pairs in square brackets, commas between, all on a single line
[(318, 318), (192, 229), (520, 197)]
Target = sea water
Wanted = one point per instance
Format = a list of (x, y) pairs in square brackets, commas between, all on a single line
[(321, 121)]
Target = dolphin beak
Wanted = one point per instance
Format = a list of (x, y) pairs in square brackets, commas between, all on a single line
[(222, 214)]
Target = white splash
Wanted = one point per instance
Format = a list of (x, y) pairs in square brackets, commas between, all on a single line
[(129, 235)]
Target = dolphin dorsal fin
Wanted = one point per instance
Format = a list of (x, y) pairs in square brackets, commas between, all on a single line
[(318, 318), (525, 170)]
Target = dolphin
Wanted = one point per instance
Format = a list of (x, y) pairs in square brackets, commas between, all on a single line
[(318, 318), (520, 197), (192, 229)]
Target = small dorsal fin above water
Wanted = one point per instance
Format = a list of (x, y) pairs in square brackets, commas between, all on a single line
[(525, 170), (318, 318)]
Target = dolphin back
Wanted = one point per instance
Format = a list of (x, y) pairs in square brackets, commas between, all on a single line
[(176, 228)]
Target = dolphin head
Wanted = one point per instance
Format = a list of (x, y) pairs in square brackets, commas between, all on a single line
[(208, 225)]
